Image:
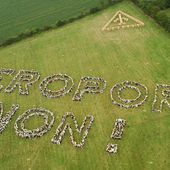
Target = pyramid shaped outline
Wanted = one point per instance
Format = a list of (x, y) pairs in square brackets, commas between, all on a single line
[(137, 21)]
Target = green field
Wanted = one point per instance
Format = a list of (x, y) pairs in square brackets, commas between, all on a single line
[(19, 16), (82, 49)]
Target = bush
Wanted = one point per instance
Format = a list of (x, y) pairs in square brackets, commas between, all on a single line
[(94, 10), (158, 9), (163, 18), (61, 23), (46, 28), (149, 4)]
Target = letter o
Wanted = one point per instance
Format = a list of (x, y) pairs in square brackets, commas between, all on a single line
[(129, 103), (38, 132), (58, 93)]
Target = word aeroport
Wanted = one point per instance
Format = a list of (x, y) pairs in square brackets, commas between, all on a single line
[(24, 79)]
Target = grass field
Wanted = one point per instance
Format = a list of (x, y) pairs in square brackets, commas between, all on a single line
[(19, 16), (82, 49)]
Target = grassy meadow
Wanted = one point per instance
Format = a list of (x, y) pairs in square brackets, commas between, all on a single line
[(82, 49)]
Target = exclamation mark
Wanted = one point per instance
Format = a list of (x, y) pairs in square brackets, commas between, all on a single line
[(116, 134)]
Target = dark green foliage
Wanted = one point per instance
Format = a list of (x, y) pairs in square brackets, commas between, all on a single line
[(94, 10), (82, 9), (18, 16), (156, 9), (61, 23), (163, 18)]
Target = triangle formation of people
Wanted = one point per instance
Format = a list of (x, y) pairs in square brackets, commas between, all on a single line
[(122, 20)]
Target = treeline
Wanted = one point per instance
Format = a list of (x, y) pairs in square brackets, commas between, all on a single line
[(157, 9), (59, 23)]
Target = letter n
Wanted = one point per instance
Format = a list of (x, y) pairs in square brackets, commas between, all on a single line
[(83, 130)]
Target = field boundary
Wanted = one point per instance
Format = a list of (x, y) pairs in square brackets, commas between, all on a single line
[(59, 24)]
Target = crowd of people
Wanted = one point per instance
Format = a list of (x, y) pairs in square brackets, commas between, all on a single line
[(118, 129), (30, 77), (61, 130), (6, 71), (116, 134), (56, 77), (89, 85), (129, 103), (4, 120), (22, 131), (165, 90), (112, 148), (117, 27), (120, 91)]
